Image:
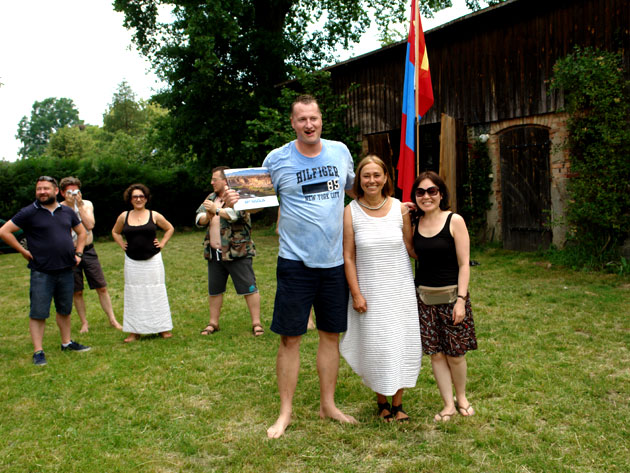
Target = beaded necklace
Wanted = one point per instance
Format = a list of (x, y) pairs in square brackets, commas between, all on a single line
[(372, 208)]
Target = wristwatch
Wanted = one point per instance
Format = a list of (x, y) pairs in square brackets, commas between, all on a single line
[(217, 211), (79, 254)]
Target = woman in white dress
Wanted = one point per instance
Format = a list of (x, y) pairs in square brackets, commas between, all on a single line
[(382, 344), (147, 310)]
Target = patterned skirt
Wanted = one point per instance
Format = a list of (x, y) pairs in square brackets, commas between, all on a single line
[(439, 335)]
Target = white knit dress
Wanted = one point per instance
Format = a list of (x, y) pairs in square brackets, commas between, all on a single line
[(383, 344)]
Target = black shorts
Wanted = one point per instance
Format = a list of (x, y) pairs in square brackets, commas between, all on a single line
[(300, 288), (91, 266), (241, 271)]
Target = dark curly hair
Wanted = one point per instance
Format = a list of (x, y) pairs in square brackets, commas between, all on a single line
[(145, 190)]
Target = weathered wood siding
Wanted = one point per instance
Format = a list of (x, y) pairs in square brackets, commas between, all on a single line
[(488, 66)]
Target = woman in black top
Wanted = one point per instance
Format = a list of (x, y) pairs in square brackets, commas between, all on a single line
[(442, 247), (146, 302)]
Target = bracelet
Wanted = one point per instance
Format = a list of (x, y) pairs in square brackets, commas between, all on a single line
[(461, 297)]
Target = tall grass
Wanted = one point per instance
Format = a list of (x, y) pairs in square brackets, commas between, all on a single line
[(549, 382)]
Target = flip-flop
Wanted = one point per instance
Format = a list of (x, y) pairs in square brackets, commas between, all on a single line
[(257, 330), (439, 417), (208, 331), (466, 411)]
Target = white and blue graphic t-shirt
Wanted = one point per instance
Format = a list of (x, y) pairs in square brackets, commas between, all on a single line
[(311, 192)]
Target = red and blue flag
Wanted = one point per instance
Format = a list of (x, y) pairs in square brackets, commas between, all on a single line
[(417, 100)]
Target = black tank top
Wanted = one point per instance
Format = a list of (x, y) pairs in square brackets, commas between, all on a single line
[(140, 239), (437, 259)]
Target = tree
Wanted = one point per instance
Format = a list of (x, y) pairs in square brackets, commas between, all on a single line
[(47, 116), (71, 142), (124, 113), (224, 58), (597, 100)]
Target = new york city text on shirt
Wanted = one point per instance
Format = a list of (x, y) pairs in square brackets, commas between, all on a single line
[(324, 190)]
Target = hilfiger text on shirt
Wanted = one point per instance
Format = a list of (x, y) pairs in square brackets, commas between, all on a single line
[(323, 190)]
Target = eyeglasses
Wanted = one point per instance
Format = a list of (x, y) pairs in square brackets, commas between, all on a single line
[(432, 191), (137, 197), (48, 179)]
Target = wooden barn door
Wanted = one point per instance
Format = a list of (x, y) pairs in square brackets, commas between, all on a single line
[(525, 188), (379, 144)]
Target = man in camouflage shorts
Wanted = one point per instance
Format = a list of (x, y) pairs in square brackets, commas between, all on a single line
[(229, 249)]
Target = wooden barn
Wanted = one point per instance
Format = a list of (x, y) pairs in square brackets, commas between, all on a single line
[(490, 72)]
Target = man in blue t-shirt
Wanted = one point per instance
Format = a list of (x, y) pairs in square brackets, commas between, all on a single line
[(51, 255), (310, 175)]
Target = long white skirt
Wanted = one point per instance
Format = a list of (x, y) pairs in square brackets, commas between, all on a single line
[(146, 303)]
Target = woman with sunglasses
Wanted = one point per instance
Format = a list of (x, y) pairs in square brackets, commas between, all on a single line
[(147, 309), (382, 343), (442, 246)]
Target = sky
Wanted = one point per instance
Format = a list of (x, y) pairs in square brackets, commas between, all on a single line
[(79, 49)]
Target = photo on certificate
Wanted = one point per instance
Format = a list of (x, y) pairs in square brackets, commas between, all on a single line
[(253, 186)]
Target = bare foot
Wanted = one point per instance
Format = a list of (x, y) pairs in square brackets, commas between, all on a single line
[(132, 338), (114, 323), (335, 414), (84, 329), (166, 334), (277, 429)]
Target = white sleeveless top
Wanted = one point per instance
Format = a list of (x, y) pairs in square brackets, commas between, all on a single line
[(383, 344)]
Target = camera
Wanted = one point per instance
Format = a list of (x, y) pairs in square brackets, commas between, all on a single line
[(73, 192)]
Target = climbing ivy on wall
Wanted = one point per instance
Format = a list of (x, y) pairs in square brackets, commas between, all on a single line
[(597, 99)]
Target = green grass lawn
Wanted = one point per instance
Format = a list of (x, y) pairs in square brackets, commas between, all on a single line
[(550, 382)]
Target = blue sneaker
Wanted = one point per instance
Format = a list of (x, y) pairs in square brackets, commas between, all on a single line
[(39, 358), (74, 346)]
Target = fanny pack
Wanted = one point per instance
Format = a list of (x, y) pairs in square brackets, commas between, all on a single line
[(437, 295)]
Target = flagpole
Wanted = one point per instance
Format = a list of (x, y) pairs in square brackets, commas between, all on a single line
[(416, 81)]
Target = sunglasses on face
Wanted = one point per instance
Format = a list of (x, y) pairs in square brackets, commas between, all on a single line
[(432, 191), (137, 197)]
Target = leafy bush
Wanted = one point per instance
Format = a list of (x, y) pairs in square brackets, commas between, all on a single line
[(174, 189), (597, 101), (477, 188)]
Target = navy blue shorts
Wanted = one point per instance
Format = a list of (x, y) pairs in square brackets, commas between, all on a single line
[(45, 287), (300, 288)]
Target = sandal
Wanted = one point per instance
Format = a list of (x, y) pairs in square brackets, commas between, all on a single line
[(465, 411), (257, 330), (439, 417), (396, 410), (384, 406), (210, 329)]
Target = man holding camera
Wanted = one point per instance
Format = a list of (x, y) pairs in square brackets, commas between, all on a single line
[(90, 265)]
